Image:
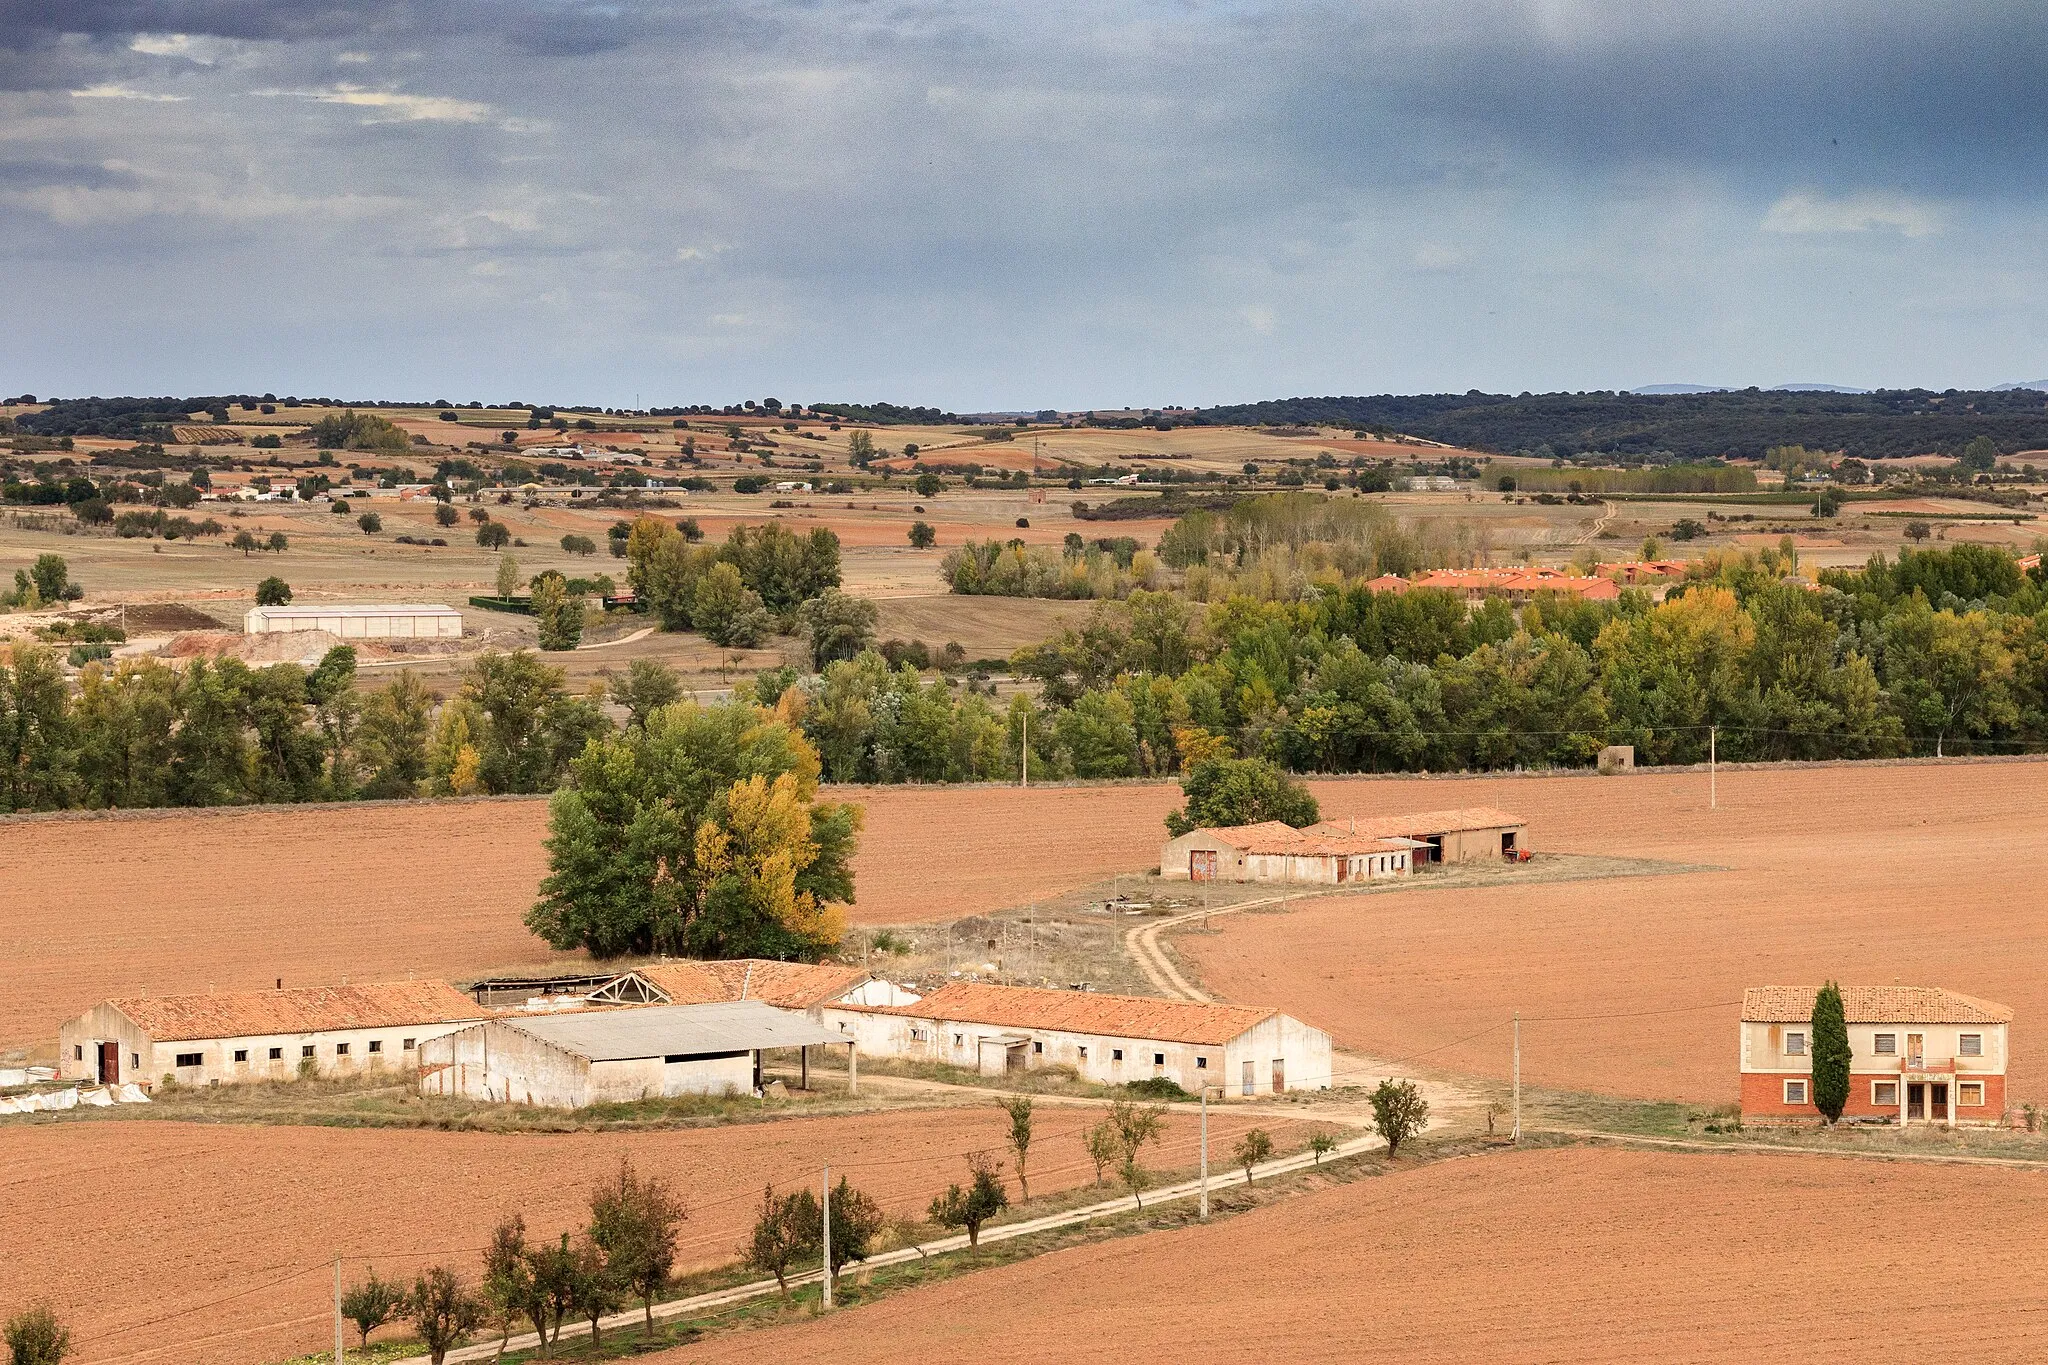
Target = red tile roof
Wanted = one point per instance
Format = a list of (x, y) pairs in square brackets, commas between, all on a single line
[(1874, 1005), (303, 1009), (790, 985), (1415, 824), (1115, 1016)]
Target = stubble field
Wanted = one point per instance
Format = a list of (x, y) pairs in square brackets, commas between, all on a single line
[(1564, 1255), (214, 1244)]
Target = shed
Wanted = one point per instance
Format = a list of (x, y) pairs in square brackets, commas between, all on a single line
[(389, 621), (570, 1061), (1274, 852), (1113, 1039), (260, 1035), (1463, 834)]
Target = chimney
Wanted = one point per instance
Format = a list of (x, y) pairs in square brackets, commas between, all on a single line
[(280, 983)]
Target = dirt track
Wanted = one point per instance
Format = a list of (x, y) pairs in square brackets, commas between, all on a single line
[(1577, 1255), (1870, 875), (177, 1216)]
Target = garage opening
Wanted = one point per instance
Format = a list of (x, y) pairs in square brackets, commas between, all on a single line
[(1507, 843)]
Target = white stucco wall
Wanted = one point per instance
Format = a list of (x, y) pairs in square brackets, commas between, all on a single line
[(144, 1061)]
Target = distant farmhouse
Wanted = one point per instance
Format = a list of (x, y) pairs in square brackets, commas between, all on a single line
[(260, 1035), (1368, 848), (1917, 1054), (1113, 1039)]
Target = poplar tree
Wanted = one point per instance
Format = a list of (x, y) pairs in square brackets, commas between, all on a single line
[(1830, 1044)]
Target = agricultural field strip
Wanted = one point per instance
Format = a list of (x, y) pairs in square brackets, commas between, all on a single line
[(1752, 1149), (760, 1288)]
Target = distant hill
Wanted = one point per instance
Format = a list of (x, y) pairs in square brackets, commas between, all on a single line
[(1681, 388), (1815, 388), (2023, 384), (1744, 423)]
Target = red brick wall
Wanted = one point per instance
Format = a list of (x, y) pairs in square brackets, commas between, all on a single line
[(1763, 1099)]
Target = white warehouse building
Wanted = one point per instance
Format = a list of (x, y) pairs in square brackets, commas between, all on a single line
[(1113, 1039), (389, 621)]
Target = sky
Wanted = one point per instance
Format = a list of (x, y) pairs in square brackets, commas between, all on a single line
[(991, 205)]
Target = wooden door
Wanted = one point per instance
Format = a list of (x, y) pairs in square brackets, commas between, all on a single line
[(1916, 1049), (1343, 869), (1251, 1083), (1279, 1075), (1916, 1100), (1202, 865), (110, 1063)]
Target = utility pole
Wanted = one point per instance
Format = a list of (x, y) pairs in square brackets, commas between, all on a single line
[(1713, 775), (1024, 754), (826, 1204), (337, 1309), (1205, 1153), (1518, 1076)]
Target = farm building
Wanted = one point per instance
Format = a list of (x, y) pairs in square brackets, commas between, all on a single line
[(802, 986), (1517, 585), (260, 1035), (1364, 848), (1113, 1039), (1916, 1054), (392, 621), (569, 1061)]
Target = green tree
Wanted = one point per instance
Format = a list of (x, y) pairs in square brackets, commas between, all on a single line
[(393, 735), (1323, 1142), (52, 577), (371, 523), (579, 545), (646, 685), (1251, 1149), (445, 514), (1132, 1126), (663, 571), (1017, 1108), (370, 1303), (982, 1199), (1398, 1113), (595, 1286), (492, 535), (1830, 1043), (928, 485), (857, 1223), (38, 750), (509, 1284), (277, 544), (727, 611), (922, 536), (838, 626), (443, 1311), (558, 612), (1222, 792), (244, 542), (1980, 455), (860, 448), (273, 592), (786, 1233), (530, 726), (36, 1336), (635, 1223), (698, 831)]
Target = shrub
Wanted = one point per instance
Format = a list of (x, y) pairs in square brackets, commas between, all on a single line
[(444, 515), (1255, 1146), (1158, 1088), (1398, 1112), (371, 523), (492, 535), (443, 1311), (1023, 523), (579, 545), (982, 1200), (35, 1336), (371, 1304), (922, 537), (1323, 1142)]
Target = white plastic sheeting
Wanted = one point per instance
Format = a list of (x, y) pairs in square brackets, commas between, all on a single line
[(104, 1097)]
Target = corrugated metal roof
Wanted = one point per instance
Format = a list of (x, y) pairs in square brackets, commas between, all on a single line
[(669, 1030), (1874, 1005), (303, 1009), (1118, 1016), (357, 609), (1421, 822)]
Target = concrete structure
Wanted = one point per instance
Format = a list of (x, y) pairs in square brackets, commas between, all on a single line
[(802, 986), (260, 1035), (391, 621), (1114, 1039), (570, 1061), (1618, 758), (1917, 1054), (1362, 848)]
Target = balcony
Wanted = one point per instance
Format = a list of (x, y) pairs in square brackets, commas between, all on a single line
[(1913, 1064)]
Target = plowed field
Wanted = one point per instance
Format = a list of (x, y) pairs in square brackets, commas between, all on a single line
[(127, 1224), (1546, 1256), (1871, 875)]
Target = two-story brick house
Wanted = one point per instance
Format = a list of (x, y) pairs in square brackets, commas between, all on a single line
[(1918, 1054)]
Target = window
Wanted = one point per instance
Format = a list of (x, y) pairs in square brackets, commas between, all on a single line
[(1795, 1092), (241, 1054), (1036, 1047), (1970, 1045), (1885, 1044), (958, 1040), (1970, 1094), (916, 1036), (1116, 1054), (341, 1049), (376, 1045), (1884, 1094), (307, 1051), (1795, 1043), (134, 1059), (191, 1058), (1158, 1059), (78, 1055), (277, 1054), (406, 1046), (1201, 1064), (1084, 1054)]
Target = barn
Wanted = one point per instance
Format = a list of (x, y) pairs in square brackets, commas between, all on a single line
[(1113, 1039), (1333, 852), (260, 1035), (391, 621), (570, 1061), (802, 986)]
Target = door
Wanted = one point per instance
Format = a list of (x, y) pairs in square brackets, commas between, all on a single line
[(1937, 1101), (1916, 1100), (1202, 865), (1251, 1082), (110, 1063), (1013, 1057), (1507, 843), (1343, 869), (1279, 1075), (1916, 1050)]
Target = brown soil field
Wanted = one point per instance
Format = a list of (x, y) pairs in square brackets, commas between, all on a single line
[(183, 1221), (1869, 875), (180, 901), (986, 627), (1572, 1255)]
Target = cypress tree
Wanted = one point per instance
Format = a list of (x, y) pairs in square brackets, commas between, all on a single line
[(1830, 1044)]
